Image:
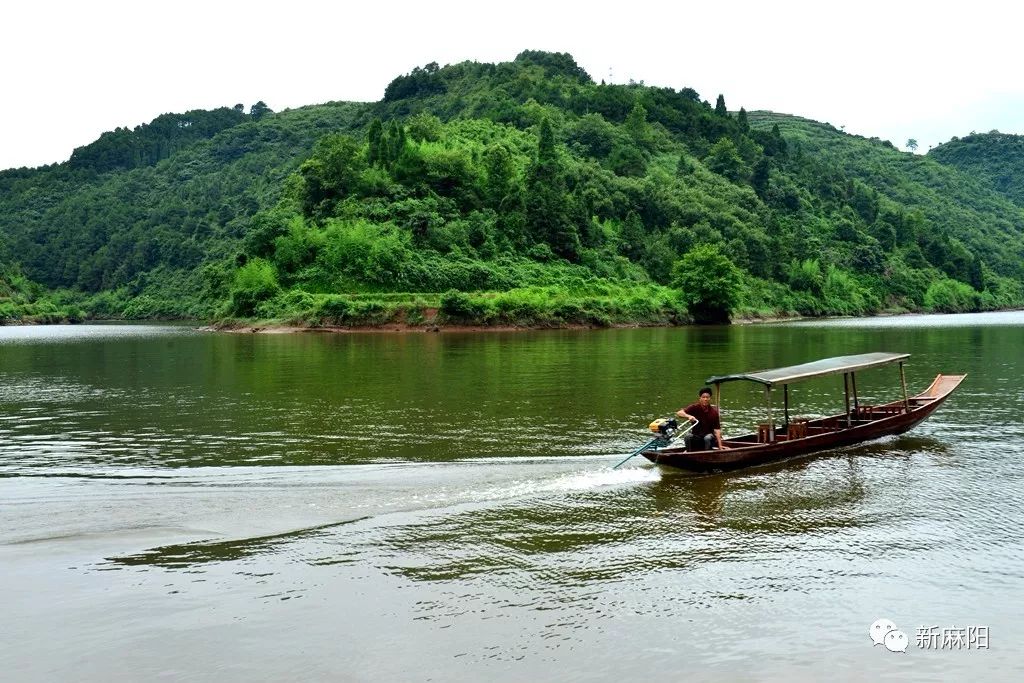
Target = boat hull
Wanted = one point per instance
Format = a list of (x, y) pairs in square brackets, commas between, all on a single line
[(872, 422)]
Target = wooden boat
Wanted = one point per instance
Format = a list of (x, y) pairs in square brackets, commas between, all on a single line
[(797, 436)]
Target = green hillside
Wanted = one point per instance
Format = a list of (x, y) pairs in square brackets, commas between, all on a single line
[(921, 212), (520, 193), (90, 226), (996, 158)]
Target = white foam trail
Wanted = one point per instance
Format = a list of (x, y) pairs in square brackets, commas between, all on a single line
[(574, 481)]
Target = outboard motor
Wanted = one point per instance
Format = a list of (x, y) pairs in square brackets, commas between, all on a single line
[(665, 427)]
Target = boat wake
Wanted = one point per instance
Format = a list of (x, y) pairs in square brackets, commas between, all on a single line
[(575, 481), (245, 502)]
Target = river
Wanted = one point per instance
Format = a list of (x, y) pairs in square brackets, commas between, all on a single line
[(189, 505)]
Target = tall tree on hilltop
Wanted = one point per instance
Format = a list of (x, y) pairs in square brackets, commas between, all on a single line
[(259, 110), (720, 106), (741, 119)]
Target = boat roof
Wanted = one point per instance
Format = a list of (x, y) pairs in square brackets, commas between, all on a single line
[(818, 368)]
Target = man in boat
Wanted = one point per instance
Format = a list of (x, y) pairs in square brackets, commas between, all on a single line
[(707, 433)]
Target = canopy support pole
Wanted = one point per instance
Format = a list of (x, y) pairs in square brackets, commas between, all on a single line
[(718, 401), (771, 422), (903, 382), (718, 396), (785, 402), (846, 395), (856, 404)]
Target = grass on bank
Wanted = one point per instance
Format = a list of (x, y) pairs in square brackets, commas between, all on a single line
[(596, 303)]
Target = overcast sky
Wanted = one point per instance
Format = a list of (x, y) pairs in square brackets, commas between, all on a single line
[(896, 70)]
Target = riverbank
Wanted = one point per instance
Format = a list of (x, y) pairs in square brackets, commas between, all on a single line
[(435, 325), (431, 320), (279, 327), (271, 327)]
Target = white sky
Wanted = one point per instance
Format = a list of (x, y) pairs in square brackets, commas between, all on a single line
[(896, 70)]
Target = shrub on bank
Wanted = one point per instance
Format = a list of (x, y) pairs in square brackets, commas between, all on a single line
[(254, 282), (459, 306), (951, 296)]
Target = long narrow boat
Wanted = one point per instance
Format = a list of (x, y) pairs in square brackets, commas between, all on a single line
[(797, 436)]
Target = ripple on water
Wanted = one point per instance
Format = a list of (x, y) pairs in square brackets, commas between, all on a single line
[(463, 530)]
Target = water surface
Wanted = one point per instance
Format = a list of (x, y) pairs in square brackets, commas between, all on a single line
[(442, 507)]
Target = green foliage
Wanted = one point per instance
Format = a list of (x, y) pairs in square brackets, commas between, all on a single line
[(333, 173), (425, 127), (548, 206), (524, 186), (420, 82), (254, 282), (710, 283), (155, 141), (805, 276), (554, 64), (340, 310), (996, 158), (373, 137), (360, 251), (951, 296), (742, 122), (461, 307), (260, 110), (725, 160), (720, 109), (843, 294)]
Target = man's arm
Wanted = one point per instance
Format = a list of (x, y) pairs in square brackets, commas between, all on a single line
[(682, 413), (718, 436)]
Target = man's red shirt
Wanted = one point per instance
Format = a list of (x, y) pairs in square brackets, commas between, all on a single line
[(707, 418)]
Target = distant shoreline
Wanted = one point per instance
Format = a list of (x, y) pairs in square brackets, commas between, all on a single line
[(277, 327), (404, 328)]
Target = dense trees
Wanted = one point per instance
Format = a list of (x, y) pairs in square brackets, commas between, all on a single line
[(548, 204), (575, 201), (710, 284), (996, 158), (152, 142)]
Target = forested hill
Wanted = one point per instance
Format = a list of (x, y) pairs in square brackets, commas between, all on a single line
[(119, 220), (521, 192), (996, 158)]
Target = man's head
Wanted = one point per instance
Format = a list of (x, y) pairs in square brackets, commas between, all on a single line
[(704, 396)]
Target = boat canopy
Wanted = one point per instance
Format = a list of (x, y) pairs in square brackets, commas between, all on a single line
[(818, 368)]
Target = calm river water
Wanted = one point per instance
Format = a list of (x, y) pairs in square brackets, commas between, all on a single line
[(409, 507)]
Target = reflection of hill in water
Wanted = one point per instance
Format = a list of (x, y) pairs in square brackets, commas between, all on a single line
[(678, 521), (184, 555)]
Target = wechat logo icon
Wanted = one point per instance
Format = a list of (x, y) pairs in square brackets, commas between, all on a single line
[(884, 632)]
